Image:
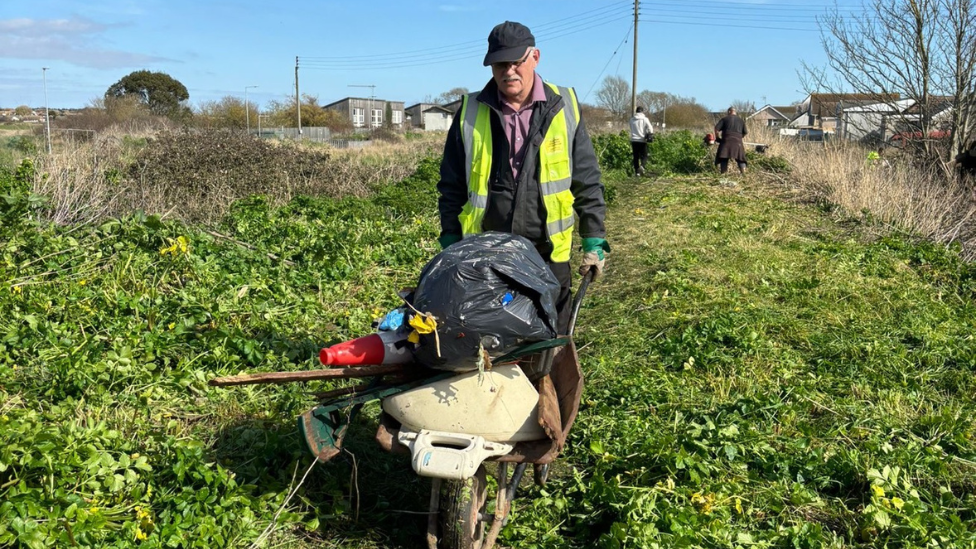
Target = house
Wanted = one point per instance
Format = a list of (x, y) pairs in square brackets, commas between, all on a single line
[(823, 110), (895, 119), (772, 117), (429, 116), (356, 109), (873, 122)]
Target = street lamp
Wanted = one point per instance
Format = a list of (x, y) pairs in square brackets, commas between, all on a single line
[(47, 115), (247, 111)]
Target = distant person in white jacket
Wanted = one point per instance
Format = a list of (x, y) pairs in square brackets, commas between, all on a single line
[(641, 133)]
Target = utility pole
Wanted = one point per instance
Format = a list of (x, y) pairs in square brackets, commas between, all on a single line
[(633, 91), (372, 88), (47, 114), (298, 101), (247, 109)]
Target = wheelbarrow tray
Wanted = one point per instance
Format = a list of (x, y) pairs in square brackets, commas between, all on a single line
[(559, 397)]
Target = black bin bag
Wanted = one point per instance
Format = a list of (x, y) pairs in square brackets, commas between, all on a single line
[(491, 291)]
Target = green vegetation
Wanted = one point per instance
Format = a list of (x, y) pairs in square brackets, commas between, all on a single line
[(678, 152), (757, 374)]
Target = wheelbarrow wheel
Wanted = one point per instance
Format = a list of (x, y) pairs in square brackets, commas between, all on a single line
[(462, 506)]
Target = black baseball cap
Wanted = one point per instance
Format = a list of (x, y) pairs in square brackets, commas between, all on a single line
[(507, 43)]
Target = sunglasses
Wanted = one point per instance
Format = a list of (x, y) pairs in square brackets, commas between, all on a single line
[(504, 65)]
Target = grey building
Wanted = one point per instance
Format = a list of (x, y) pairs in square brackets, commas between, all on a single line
[(430, 116), (369, 112)]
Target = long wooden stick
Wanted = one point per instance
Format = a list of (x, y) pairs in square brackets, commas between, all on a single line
[(285, 377)]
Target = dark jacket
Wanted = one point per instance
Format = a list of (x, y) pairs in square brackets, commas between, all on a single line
[(733, 130), (516, 206), (967, 160)]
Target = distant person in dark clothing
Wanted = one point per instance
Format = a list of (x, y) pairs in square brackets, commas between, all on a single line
[(966, 161), (729, 133), (641, 133)]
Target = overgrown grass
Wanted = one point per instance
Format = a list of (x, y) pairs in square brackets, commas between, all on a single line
[(757, 374), (751, 364)]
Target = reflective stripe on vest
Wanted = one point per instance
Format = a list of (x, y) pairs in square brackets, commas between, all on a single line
[(555, 169)]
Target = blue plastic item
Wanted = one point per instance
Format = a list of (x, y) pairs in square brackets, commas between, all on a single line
[(392, 321)]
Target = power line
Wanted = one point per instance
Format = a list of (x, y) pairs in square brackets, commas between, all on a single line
[(726, 25), (398, 61), (540, 33), (719, 7), (437, 55), (622, 42)]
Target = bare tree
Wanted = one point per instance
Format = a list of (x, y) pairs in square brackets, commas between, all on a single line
[(657, 103), (957, 66), (918, 49), (614, 95), (744, 106), (451, 95)]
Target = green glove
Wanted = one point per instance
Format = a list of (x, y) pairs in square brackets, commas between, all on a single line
[(446, 240), (598, 245)]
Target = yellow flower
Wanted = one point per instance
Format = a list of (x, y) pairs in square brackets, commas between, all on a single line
[(82, 282), (898, 502), (16, 289), (703, 502), (877, 491), (140, 535), (738, 506), (177, 246)]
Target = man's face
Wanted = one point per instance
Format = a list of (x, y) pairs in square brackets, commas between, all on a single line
[(515, 79)]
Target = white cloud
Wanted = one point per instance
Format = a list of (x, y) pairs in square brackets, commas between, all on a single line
[(73, 40)]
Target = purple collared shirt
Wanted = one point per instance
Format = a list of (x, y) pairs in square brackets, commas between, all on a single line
[(517, 123)]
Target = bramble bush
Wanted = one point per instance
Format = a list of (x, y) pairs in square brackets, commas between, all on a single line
[(612, 150), (678, 152)]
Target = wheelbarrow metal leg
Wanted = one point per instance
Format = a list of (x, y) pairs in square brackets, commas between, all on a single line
[(541, 473), (516, 479), (435, 504)]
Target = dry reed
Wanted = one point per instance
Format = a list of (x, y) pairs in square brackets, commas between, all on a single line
[(82, 181), (890, 189)]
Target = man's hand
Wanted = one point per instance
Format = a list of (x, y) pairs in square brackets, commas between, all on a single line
[(446, 240), (593, 256), (593, 260)]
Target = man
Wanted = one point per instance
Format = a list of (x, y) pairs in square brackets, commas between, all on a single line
[(729, 133), (518, 159), (641, 133)]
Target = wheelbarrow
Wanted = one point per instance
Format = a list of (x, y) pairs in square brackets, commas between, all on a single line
[(455, 462)]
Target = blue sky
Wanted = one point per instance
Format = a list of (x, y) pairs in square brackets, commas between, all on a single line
[(716, 51)]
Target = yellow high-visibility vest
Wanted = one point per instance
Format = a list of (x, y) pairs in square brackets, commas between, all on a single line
[(555, 169)]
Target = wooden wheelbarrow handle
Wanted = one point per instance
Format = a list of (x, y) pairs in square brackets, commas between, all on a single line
[(285, 377)]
